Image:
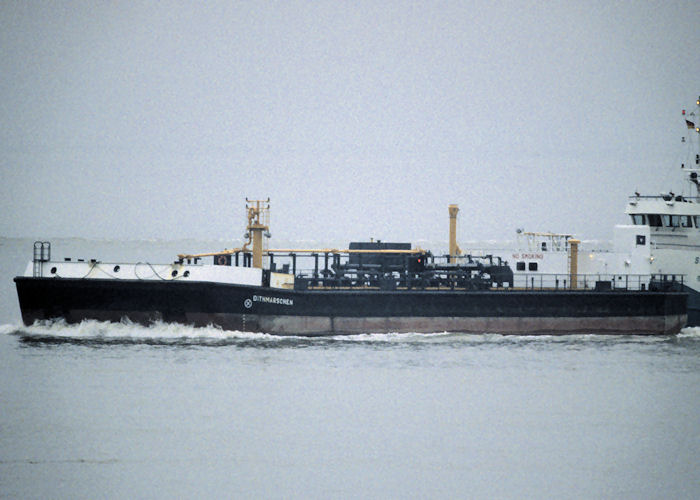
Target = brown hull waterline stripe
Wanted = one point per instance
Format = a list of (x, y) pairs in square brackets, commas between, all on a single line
[(324, 325)]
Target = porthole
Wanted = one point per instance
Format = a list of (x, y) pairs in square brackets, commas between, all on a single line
[(116, 269), (186, 274), (174, 273), (53, 270)]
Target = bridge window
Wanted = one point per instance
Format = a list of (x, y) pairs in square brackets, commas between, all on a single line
[(654, 220), (672, 220), (686, 221), (696, 218), (638, 219)]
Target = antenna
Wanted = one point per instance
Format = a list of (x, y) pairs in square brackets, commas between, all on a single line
[(692, 165)]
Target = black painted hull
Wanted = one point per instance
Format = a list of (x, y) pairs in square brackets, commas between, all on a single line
[(324, 312), (693, 306)]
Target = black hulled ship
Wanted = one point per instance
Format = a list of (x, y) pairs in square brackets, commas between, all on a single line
[(370, 287)]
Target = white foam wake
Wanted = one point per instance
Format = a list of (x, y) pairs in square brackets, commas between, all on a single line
[(174, 333), (691, 332), (8, 329), (126, 331), (164, 333)]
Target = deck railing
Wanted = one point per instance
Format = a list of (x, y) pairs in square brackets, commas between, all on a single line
[(539, 281), (598, 282)]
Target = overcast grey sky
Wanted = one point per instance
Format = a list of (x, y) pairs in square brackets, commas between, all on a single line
[(358, 119)]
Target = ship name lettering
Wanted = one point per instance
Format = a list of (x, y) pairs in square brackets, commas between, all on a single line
[(528, 256), (273, 300)]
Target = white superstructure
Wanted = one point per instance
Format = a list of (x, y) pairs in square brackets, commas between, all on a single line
[(177, 271), (662, 238)]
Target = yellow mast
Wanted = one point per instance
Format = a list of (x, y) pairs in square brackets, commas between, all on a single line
[(454, 248), (258, 226)]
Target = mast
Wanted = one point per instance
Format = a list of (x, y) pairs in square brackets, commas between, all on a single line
[(692, 120), (454, 248), (258, 212)]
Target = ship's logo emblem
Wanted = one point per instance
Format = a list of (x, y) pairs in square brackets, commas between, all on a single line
[(248, 303)]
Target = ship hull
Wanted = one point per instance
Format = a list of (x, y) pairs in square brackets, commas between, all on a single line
[(334, 312), (693, 306)]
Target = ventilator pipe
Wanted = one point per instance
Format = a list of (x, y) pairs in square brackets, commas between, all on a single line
[(573, 262), (454, 249)]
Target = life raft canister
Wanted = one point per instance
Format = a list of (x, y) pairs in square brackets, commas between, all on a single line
[(223, 260)]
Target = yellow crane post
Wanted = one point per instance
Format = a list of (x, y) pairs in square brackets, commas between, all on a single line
[(454, 249), (258, 226)]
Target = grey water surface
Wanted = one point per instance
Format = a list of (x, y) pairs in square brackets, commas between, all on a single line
[(123, 411)]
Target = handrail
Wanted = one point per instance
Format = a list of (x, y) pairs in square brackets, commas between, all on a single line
[(275, 251), (665, 197), (530, 282), (597, 281)]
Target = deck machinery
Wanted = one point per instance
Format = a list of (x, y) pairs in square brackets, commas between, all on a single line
[(381, 265), (365, 264)]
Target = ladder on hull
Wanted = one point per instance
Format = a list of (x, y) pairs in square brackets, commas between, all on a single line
[(42, 253)]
